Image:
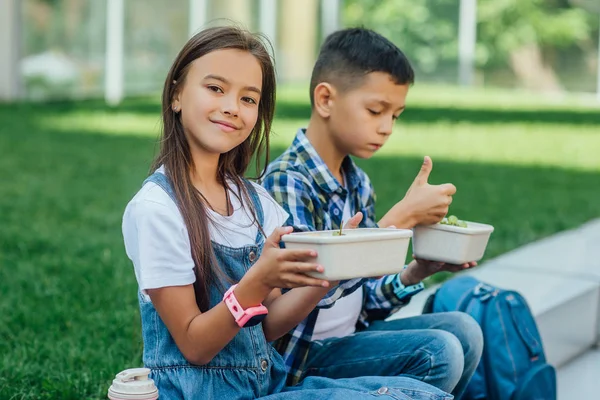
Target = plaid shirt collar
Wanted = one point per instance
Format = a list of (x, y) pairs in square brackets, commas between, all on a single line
[(319, 170)]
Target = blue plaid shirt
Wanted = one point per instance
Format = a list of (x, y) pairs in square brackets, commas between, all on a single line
[(302, 184)]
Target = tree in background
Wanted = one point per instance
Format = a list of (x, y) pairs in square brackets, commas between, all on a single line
[(425, 30), (533, 39)]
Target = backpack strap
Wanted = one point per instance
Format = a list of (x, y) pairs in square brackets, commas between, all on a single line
[(483, 291), (534, 347)]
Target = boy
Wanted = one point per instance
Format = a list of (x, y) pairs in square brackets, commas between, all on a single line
[(358, 89)]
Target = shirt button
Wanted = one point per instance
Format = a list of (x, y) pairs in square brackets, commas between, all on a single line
[(264, 364), (382, 390), (336, 212), (252, 256)]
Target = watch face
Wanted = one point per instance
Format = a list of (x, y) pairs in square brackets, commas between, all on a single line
[(257, 319)]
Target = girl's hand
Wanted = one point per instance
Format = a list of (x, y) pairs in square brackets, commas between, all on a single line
[(285, 268), (354, 221)]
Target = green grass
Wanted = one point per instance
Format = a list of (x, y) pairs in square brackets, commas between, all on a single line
[(69, 318)]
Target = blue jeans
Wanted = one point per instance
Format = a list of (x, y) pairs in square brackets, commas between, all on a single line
[(365, 387), (441, 349)]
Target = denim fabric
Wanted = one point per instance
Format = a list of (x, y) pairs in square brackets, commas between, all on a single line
[(441, 349)]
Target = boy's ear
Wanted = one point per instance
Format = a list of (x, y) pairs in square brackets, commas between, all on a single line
[(324, 96)]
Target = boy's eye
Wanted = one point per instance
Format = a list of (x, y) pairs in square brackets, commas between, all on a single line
[(395, 117), (249, 100), (373, 112), (215, 89)]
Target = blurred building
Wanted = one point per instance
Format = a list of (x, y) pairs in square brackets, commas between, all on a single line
[(116, 48), (91, 48)]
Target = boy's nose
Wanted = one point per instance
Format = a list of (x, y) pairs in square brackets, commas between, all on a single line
[(386, 127)]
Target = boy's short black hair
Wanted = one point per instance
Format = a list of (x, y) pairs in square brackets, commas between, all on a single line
[(348, 55)]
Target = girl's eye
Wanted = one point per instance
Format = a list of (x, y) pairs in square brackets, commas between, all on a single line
[(249, 100), (395, 117), (374, 112), (215, 89)]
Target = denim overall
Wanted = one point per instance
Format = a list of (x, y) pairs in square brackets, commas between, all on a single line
[(248, 367)]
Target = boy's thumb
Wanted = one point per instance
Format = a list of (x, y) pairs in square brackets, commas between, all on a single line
[(423, 175)]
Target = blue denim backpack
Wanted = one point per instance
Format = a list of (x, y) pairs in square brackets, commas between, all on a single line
[(513, 365)]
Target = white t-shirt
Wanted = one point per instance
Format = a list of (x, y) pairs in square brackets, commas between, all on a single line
[(340, 319), (157, 241)]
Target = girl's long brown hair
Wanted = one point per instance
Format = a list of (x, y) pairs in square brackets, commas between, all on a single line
[(176, 156)]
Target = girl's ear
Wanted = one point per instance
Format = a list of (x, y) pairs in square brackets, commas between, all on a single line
[(176, 102)]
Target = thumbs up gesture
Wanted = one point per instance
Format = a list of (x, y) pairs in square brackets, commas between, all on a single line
[(423, 175), (423, 203)]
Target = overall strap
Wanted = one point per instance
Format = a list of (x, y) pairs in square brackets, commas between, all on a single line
[(257, 206), (164, 182)]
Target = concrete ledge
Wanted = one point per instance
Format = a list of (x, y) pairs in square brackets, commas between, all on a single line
[(573, 254), (579, 379)]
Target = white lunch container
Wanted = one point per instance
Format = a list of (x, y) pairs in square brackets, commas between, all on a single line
[(451, 244), (358, 253)]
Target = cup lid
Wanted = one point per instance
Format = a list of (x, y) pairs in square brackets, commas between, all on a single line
[(133, 383)]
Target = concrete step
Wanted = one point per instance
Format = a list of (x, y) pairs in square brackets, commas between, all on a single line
[(579, 379), (574, 254), (570, 254)]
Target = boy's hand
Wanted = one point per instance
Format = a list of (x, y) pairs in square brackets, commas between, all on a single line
[(420, 269), (423, 203)]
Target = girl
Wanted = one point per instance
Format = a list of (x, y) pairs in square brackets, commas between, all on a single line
[(205, 242)]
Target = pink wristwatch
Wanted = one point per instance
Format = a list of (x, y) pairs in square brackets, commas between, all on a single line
[(244, 318)]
